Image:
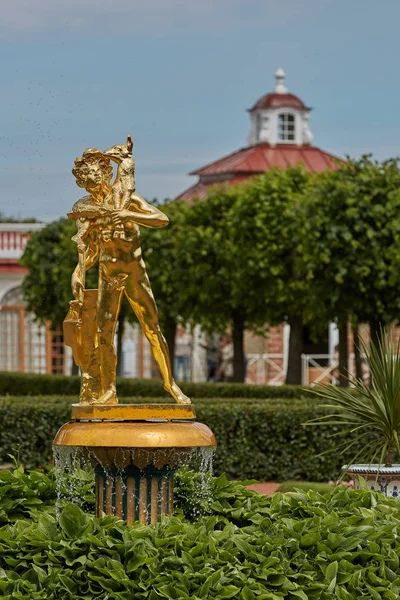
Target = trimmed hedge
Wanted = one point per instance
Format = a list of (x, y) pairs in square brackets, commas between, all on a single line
[(261, 439), (29, 384)]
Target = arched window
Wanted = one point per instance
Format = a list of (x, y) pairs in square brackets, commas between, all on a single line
[(13, 297), (286, 131), (31, 347)]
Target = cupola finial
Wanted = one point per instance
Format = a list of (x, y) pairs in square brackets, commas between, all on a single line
[(280, 87)]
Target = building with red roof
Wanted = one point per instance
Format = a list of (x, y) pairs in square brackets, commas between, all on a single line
[(280, 136)]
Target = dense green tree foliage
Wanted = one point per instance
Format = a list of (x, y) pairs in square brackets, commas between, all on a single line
[(226, 273), (352, 244)]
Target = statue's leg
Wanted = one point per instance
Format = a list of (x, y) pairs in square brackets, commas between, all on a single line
[(91, 388), (108, 305), (140, 296)]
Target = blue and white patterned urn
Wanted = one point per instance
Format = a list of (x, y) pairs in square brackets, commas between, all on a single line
[(377, 477)]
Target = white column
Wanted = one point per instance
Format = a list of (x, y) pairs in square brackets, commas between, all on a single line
[(286, 337), (199, 355), (130, 353), (333, 340)]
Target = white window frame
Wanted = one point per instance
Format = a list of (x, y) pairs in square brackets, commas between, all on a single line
[(286, 127)]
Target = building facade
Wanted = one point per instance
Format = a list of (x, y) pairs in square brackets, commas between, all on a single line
[(25, 344)]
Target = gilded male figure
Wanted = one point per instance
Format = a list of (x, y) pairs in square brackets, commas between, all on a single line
[(108, 232)]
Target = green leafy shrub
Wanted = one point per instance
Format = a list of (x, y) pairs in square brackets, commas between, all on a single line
[(30, 384), (28, 494), (23, 495), (257, 439), (344, 545)]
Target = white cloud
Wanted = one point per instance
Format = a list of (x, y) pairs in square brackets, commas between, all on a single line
[(30, 15), (37, 16)]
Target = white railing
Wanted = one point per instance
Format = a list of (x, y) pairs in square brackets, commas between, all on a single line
[(329, 372), (263, 366), (13, 238), (270, 369), (323, 374)]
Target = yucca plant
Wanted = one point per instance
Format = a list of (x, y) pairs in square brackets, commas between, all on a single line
[(370, 414)]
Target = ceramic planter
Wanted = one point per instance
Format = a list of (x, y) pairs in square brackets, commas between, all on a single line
[(377, 477)]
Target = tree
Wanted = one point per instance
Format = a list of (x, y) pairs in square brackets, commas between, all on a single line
[(215, 281), (352, 244), (241, 256), (272, 237)]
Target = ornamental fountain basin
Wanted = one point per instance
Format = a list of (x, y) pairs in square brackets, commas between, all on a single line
[(134, 450)]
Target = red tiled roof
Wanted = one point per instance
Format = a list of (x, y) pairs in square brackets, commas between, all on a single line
[(278, 100), (262, 157), (254, 160), (199, 190)]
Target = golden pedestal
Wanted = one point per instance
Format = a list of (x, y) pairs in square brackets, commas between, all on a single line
[(134, 450)]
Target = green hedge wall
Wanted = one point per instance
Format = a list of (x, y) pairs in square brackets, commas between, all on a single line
[(261, 439), (27, 384)]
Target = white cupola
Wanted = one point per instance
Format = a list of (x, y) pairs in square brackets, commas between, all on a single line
[(280, 117)]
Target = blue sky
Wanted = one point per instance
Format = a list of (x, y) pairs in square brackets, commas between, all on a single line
[(179, 75)]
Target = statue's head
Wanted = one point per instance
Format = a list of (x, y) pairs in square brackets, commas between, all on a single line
[(93, 171)]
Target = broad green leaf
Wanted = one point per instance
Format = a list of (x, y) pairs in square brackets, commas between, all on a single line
[(73, 520)]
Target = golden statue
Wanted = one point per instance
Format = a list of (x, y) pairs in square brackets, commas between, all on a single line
[(108, 222)]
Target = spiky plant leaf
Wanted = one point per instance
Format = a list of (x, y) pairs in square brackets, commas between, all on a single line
[(365, 409)]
